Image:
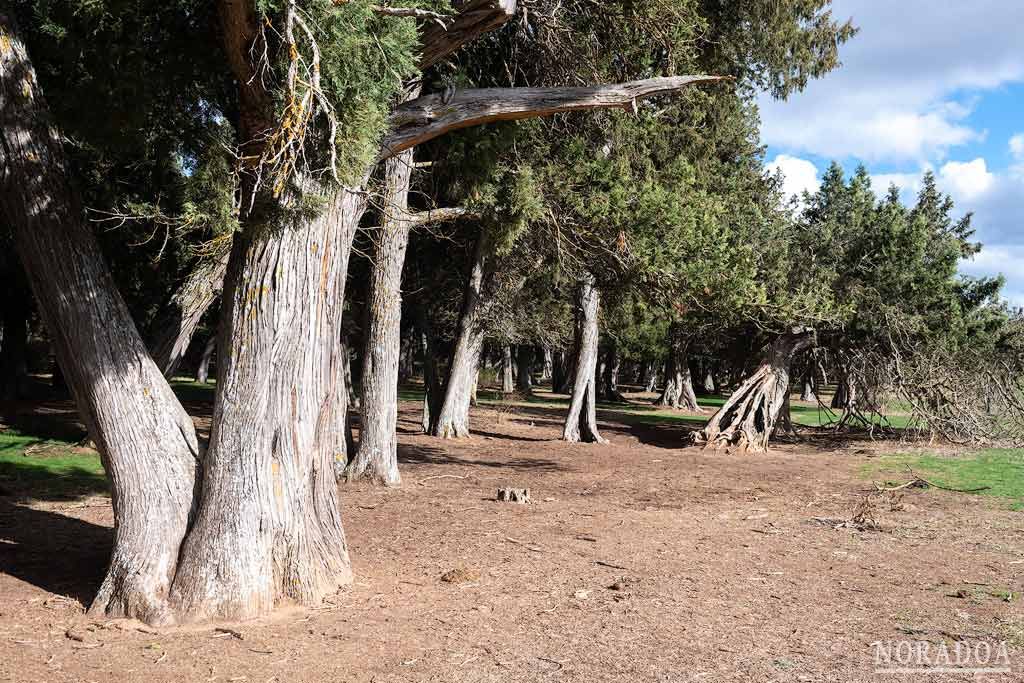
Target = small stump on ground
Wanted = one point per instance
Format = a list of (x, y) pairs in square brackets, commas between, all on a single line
[(508, 494)]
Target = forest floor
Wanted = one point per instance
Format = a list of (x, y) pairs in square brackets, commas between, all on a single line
[(639, 560)]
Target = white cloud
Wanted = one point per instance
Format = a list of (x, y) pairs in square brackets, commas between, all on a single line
[(966, 180), (798, 174), (900, 94)]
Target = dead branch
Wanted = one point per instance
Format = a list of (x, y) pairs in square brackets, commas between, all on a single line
[(431, 116)]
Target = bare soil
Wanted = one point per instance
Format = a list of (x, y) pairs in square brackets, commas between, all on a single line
[(635, 561)]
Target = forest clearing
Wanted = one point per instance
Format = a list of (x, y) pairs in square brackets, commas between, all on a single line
[(634, 561), (458, 340)]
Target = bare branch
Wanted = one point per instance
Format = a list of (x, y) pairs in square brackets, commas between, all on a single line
[(474, 18), (431, 116), (414, 13)]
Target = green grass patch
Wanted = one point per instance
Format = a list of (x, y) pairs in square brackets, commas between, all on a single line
[(999, 471), (35, 467)]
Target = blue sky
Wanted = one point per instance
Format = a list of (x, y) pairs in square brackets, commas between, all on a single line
[(925, 85)]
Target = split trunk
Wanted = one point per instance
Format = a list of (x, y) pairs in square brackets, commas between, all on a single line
[(747, 420)]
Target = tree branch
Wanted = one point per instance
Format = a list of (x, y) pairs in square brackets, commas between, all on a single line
[(474, 18), (418, 219), (430, 116)]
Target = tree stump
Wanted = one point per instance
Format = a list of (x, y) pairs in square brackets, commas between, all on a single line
[(511, 495)]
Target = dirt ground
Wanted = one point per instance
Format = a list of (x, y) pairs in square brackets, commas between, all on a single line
[(636, 561)]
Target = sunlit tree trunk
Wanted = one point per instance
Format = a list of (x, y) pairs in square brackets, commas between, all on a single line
[(581, 420), (268, 527), (453, 418), (146, 440), (376, 457)]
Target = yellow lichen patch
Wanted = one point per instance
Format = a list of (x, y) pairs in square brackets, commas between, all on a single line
[(5, 42), (145, 391), (26, 89)]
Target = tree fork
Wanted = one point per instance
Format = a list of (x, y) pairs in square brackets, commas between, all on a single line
[(581, 420), (747, 420)]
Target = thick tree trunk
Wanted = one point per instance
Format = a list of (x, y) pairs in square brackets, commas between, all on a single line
[(581, 421), (453, 418), (747, 420), (524, 365), (14, 345), (507, 378), (377, 456), (678, 392), (203, 371), (268, 527), (173, 331), (146, 440)]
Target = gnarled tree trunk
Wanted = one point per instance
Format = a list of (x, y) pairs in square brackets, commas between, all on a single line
[(376, 458), (747, 420), (146, 440), (268, 527), (453, 418), (548, 370), (678, 392), (581, 420), (173, 331)]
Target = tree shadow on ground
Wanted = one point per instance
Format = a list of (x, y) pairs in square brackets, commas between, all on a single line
[(54, 552), (50, 420), (409, 454)]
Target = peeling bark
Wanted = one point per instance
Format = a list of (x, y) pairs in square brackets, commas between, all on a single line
[(581, 420), (376, 458), (748, 418), (431, 116), (268, 528), (131, 413)]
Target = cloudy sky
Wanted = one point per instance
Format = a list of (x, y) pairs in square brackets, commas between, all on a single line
[(926, 84)]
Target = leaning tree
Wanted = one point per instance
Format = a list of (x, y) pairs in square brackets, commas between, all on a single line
[(252, 520)]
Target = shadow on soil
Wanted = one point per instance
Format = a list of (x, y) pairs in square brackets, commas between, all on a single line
[(54, 552), (409, 454)]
